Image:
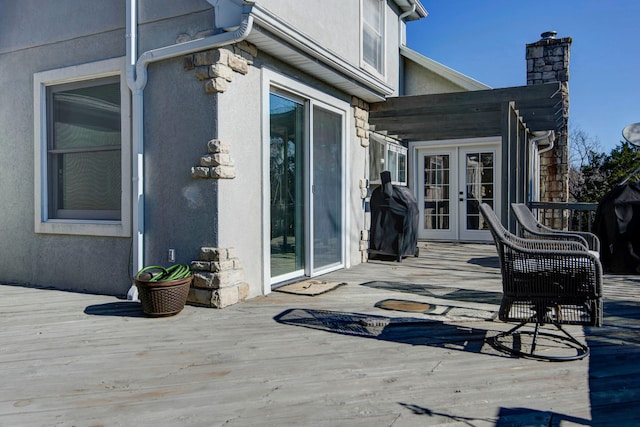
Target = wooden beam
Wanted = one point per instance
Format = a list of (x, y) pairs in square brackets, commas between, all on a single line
[(457, 119), (438, 110), (518, 93), (437, 135)]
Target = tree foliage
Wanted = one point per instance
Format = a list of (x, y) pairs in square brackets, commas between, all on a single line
[(593, 173)]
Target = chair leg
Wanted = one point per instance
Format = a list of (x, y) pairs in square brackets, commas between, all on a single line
[(568, 340), (535, 337)]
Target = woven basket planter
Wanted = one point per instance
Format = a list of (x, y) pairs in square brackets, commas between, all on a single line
[(163, 298)]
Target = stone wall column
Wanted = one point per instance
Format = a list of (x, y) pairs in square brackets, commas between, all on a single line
[(361, 117), (547, 62)]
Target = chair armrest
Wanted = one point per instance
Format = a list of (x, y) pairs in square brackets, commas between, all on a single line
[(590, 239), (557, 235), (548, 245)]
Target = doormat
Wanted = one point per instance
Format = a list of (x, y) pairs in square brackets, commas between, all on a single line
[(402, 305), (309, 287), (437, 312)]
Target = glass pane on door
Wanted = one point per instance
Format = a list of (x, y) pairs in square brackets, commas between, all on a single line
[(327, 188), (287, 181), (479, 182), (437, 186)]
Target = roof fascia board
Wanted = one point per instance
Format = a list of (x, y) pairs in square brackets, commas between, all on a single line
[(450, 74), (281, 29)]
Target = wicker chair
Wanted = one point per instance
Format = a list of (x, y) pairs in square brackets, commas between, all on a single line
[(531, 228), (545, 281)]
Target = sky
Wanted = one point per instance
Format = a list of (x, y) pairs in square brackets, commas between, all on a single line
[(486, 40)]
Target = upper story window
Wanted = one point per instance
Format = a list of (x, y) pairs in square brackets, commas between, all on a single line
[(82, 141), (373, 25)]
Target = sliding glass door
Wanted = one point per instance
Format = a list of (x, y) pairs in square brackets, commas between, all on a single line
[(327, 189), (306, 186), (287, 185)]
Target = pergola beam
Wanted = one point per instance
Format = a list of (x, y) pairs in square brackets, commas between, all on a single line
[(469, 114)]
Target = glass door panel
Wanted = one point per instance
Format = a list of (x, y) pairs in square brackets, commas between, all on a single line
[(326, 189), (437, 191), (287, 136), (479, 187)]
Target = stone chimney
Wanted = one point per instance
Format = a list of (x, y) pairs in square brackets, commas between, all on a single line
[(548, 61)]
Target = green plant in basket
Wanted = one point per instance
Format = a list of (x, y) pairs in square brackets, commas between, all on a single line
[(155, 273)]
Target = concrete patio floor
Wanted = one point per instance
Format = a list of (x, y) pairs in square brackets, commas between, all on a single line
[(336, 359)]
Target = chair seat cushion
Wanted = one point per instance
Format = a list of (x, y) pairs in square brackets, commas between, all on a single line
[(550, 265)]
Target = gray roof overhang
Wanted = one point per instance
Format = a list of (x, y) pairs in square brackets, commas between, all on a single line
[(278, 38)]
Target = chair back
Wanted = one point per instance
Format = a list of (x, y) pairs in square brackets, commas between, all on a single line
[(498, 232), (530, 227), (525, 218)]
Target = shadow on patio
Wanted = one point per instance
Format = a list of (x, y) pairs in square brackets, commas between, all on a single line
[(613, 375), (506, 417), (441, 292), (405, 330)]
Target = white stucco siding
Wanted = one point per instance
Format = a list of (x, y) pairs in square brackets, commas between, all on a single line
[(240, 210), (421, 81), (331, 22)]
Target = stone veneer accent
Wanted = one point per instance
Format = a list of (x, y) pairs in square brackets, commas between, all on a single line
[(548, 61), (218, 279), (217, 163), (217, 69), (361, 115)]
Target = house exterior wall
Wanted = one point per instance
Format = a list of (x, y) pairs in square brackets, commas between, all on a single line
[(420, 81), (91, 264), (181, 117)]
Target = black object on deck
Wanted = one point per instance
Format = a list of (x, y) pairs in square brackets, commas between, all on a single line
[(617, 225), (394, 220)]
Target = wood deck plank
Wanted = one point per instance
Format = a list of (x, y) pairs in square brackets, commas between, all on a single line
[(78, 359)]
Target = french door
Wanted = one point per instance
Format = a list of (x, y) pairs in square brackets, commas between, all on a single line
[(306, 187), (451, 183)]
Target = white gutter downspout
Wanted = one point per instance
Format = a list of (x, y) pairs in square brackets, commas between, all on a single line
[(136, 74), (400, 18), (551, 142), (532, 161)]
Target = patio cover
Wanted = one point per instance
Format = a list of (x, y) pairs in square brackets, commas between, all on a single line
[(470, 114), (511, 113)]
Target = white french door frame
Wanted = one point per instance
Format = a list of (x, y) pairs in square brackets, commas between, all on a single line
[(273, 81), (465, 233), (457, 150)]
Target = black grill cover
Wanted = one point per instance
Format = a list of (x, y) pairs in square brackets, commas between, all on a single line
[(617, 224), (394, 220)]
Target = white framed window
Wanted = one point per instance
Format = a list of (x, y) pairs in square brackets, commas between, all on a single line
[(372, 22), (82, 147), (386, 154)]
